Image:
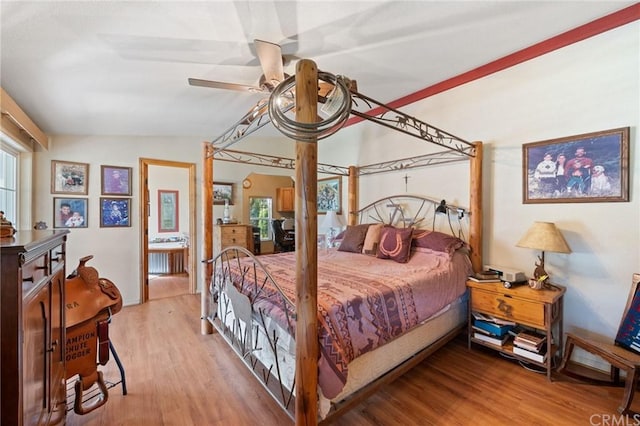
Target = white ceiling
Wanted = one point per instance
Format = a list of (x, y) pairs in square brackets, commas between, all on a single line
[(121, 68)]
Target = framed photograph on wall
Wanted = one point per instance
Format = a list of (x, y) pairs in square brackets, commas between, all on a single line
[(586, 168), (222, 191), (168, 211), (115, 212), (330, 195), (70, 212), (115, 180), (68, 177)]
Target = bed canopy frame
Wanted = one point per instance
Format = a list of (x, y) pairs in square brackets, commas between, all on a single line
[(307, 130)]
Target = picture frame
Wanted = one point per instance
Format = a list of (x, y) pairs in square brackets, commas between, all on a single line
[(168, 211), (68, 177), (585, 168), (70, 212), (115, 180), (115, 212), (330, 195), (222, 191)]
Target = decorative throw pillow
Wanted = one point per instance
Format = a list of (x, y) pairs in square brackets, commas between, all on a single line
[(395, 244), (354, 237), (437, 241), (372, 239)]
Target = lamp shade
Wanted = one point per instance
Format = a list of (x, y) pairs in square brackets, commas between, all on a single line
[(331, 220), (546, 237)]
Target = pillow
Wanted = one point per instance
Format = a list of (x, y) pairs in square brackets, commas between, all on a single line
[(395, 244), (437, 241), (372, 239), (353, 239)]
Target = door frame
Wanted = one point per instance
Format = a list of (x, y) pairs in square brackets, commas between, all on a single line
[(145, 205)]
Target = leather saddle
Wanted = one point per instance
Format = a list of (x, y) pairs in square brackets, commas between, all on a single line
[(90, 302)]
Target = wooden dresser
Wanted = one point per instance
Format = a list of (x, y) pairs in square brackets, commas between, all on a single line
[(232, 235), (32, 320)]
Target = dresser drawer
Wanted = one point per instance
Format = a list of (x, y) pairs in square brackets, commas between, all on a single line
[(34, 272), (234, 236), (523, 311)]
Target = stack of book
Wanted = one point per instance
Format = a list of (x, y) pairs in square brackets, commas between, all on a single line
[(491, 330), (531, 345)]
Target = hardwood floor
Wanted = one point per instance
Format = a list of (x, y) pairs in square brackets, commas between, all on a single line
[(161, 286), (176, 376)]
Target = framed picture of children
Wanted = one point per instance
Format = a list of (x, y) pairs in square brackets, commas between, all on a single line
[(115, 180), (70, 212), (115, 212), (586, 168), (68, 177)]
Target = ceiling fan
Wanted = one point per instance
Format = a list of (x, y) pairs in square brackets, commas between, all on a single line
[(272, 62)]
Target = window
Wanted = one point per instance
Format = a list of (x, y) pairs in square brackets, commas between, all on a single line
[(9, 183), (260, 215)]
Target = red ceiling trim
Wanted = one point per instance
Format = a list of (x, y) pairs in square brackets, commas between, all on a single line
[(601, 25)]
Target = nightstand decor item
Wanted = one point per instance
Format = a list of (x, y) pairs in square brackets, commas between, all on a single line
[(546, 237), (332, 222)]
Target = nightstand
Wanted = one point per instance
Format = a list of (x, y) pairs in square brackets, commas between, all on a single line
[(539, 309)]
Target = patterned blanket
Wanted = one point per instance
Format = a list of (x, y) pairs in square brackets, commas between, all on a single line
[(363, 302)]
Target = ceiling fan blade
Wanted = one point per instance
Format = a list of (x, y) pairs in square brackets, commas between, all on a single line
[(270, 55), (223, 85)]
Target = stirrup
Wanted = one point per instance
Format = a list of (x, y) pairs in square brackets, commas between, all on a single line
[(78, 408)]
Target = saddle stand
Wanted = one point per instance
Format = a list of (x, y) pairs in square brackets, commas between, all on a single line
[(90, 302)]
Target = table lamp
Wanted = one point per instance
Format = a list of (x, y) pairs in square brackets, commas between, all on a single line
[(332, 221), (546, 237)]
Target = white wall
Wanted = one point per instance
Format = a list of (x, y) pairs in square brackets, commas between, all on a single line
[(589, 86), (117, 250)]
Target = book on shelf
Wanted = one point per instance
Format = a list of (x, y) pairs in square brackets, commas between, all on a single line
[(494, 340), (528, 346), (534, 356), (493, 328), (530, 338), (489, 318)]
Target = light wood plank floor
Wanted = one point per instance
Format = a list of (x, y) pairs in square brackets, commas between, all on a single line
[(161, 286), (176, 376)]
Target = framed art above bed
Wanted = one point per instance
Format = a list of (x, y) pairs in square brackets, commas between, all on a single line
[(586, 168)]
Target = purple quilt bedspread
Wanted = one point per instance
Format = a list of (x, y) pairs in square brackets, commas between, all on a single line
[(365, 302)]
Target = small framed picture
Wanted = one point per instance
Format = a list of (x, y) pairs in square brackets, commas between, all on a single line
[(168, 211), (69, 178), (70, 212), (115, 212), (222, 192), (330, 195), (115, 180)]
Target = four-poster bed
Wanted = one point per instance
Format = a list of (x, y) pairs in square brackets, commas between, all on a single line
[(238, 295)]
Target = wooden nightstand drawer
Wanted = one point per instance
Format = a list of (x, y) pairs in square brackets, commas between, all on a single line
[(502, 305), (239, 233)]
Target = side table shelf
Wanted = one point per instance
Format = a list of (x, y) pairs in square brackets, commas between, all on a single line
[(538, 309)]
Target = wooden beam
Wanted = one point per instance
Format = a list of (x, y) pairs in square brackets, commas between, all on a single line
[(207, 233), (306, 409), (16, 123), (352, 219), (475, 204)]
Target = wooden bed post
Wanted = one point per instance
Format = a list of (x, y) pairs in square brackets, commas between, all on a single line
[(306, 409), (352, 219), (475, 204), (207, 232)]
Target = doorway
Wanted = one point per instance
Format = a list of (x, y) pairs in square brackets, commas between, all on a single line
[(168, 220)]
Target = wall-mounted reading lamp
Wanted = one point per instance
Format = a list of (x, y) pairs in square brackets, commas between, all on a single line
[(442, 207)]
